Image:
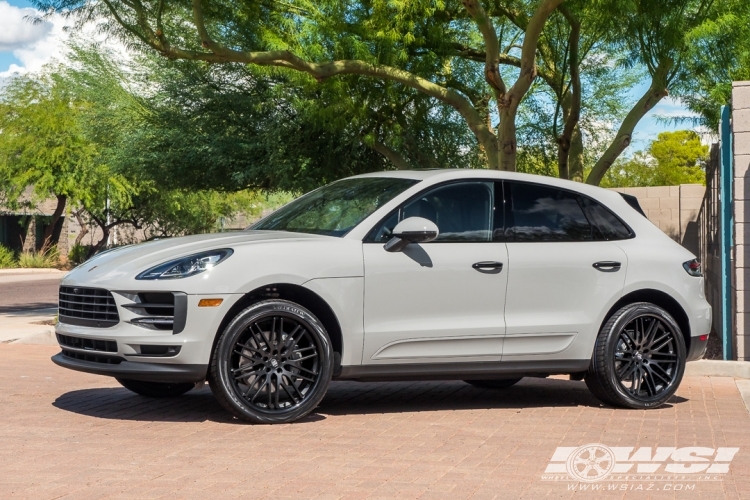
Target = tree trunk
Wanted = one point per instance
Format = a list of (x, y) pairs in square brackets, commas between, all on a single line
[(575, 156), (506, 140), (50, 231), (656, 92), (101, 243), (492, 153), (84, 230)]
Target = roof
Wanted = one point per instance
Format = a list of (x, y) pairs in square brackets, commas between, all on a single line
[(447, 174)]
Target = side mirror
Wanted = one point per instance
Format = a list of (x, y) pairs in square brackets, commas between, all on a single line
[(411, 230)]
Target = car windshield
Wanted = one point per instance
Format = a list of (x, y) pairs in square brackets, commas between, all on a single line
[(335, 209)]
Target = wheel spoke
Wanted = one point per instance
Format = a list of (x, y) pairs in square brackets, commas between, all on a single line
[(654, 372), (249, 358), (302, 377), (630, 341), (248, 348), (258, 336), (293, 338), (649, 383), (626, 370), (276, 391), (294, 386), (286, 388), (264, 384), (651, 332), (311, 372)]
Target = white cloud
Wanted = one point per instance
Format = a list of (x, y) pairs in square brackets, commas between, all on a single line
[(18, 32), (34, 45)]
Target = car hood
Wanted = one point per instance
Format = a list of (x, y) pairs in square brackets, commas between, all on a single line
[(128, 261)]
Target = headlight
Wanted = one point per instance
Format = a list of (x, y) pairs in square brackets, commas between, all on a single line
[(186, 266)]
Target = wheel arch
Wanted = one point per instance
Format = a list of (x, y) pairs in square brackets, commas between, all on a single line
[(293, 293), (659, 298)]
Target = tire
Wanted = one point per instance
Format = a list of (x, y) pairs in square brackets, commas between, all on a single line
[(639, 358), (272, 364), (155, 389), (494, 384)]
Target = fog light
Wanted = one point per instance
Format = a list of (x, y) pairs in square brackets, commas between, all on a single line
[(210, 302)]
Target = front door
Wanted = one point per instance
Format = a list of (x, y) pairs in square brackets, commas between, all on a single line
[(432, 302)]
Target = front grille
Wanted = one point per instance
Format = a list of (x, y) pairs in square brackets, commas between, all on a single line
[(87, 307), (92, 357), (87, 344)]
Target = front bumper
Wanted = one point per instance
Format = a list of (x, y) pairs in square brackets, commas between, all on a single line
[(151, 372), (128, 350)]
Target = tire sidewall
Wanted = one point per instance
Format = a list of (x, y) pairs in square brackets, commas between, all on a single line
[(612, 339), (226, 343)]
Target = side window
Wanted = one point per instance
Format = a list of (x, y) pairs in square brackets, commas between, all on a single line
[(539, 213), (606, 224), (462, 212)]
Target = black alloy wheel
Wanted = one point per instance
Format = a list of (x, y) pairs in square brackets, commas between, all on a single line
[(272, 364), (639, 357)]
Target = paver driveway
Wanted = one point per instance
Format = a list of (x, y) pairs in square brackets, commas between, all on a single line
[(72, 435)]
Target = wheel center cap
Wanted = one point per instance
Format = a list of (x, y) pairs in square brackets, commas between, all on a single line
[(638, 356), (274, 363)]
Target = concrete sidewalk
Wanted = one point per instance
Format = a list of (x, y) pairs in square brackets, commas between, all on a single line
[(23, 327)]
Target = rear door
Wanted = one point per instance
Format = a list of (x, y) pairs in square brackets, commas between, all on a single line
[(563, 270)]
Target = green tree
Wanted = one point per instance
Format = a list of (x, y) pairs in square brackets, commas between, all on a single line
[(674, 158), (479, 59), (42, 144)]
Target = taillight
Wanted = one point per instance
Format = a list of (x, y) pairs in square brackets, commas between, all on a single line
[(693, 267)]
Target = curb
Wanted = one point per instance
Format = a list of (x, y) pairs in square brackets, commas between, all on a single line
[(25, 270), (716, 368)]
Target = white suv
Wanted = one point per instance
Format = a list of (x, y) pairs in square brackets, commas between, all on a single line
[(476, 275)]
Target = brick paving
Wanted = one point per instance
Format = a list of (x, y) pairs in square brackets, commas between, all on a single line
[(71, 435)]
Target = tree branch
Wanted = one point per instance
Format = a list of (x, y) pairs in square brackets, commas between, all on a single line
[(393, 156), (655, 93), (492, 46), (573, 114)]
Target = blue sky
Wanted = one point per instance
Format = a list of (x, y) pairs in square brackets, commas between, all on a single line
[(646, 131)]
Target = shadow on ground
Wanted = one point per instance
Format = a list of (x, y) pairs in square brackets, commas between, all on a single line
[(343, 398)]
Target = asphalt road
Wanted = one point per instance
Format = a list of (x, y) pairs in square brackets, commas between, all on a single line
[(28, 295)]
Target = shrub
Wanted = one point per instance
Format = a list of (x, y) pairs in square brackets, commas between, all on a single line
[(7, 258), (42, 259), (77, 255)]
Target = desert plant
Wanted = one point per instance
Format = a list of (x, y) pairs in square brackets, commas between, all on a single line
[(41, 259), (7, 258)]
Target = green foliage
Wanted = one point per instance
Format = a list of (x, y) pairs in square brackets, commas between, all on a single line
[(78, 255), (674, 158), (7, 258), (719, 54), (42, 259)]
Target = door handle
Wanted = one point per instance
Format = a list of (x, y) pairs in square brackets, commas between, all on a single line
[(488, 265), (607, 266)]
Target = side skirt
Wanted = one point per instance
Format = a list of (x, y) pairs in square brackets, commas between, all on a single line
[(462, 371)]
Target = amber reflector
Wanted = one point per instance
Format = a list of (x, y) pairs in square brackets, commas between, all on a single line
[(210, 302)]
